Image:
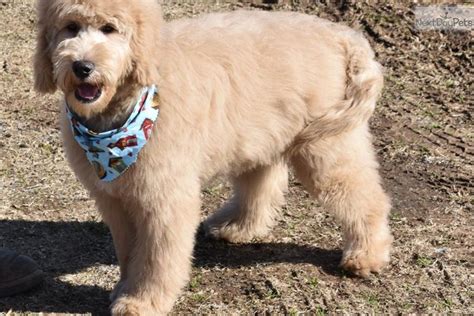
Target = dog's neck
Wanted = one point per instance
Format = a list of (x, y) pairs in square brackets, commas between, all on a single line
[(118, 110)]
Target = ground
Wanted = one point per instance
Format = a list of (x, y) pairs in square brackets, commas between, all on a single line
[(423, 135)]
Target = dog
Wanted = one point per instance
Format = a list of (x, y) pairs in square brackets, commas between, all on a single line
[(244, 94)]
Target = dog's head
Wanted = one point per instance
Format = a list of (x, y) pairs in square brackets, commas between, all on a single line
[(88, 48)]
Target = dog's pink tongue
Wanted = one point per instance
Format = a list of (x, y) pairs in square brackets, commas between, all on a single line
[(88, 91)]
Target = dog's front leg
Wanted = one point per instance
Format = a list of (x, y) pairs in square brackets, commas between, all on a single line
[(166, 218), (121, 226)]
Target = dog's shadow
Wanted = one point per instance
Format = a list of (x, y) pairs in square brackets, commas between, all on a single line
[(63, 248), (211, 253)]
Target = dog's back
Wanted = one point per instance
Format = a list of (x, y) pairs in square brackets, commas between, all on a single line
[(275, 79)]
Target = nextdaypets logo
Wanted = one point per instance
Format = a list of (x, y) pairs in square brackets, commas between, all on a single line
[(453, 17)]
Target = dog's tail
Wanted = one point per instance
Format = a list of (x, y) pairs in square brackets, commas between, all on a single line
[(364, 82)]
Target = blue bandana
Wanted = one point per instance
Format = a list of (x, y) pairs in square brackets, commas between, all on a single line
[(112, 152)]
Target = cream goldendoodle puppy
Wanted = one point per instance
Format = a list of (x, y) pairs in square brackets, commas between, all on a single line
[(152, 110)]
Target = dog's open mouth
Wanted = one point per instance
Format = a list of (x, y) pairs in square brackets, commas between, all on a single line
[(87, 93)]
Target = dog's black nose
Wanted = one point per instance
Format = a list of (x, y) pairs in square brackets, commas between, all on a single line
[(82, 68)]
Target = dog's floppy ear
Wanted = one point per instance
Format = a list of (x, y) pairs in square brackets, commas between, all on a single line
[(145, 42), (42, 65)]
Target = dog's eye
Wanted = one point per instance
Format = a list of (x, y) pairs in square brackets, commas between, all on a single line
[(108, 29), (73, 27)]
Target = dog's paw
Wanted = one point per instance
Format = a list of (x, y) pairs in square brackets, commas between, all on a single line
[(125, 306), (234, 232), (226, 231), (129, 306), (363, 262), (363, 265), (228, 224)]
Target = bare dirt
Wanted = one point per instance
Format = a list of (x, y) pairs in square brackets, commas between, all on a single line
[(423, 135)]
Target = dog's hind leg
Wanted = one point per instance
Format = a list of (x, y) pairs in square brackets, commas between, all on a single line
[(258, 195), (342, 171)]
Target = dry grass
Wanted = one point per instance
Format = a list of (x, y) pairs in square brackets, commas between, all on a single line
[(424, 139)]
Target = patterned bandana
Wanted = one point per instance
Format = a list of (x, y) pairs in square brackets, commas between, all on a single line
[(112, 152)]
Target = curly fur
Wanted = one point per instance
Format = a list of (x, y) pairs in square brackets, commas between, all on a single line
[(244, 94)]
